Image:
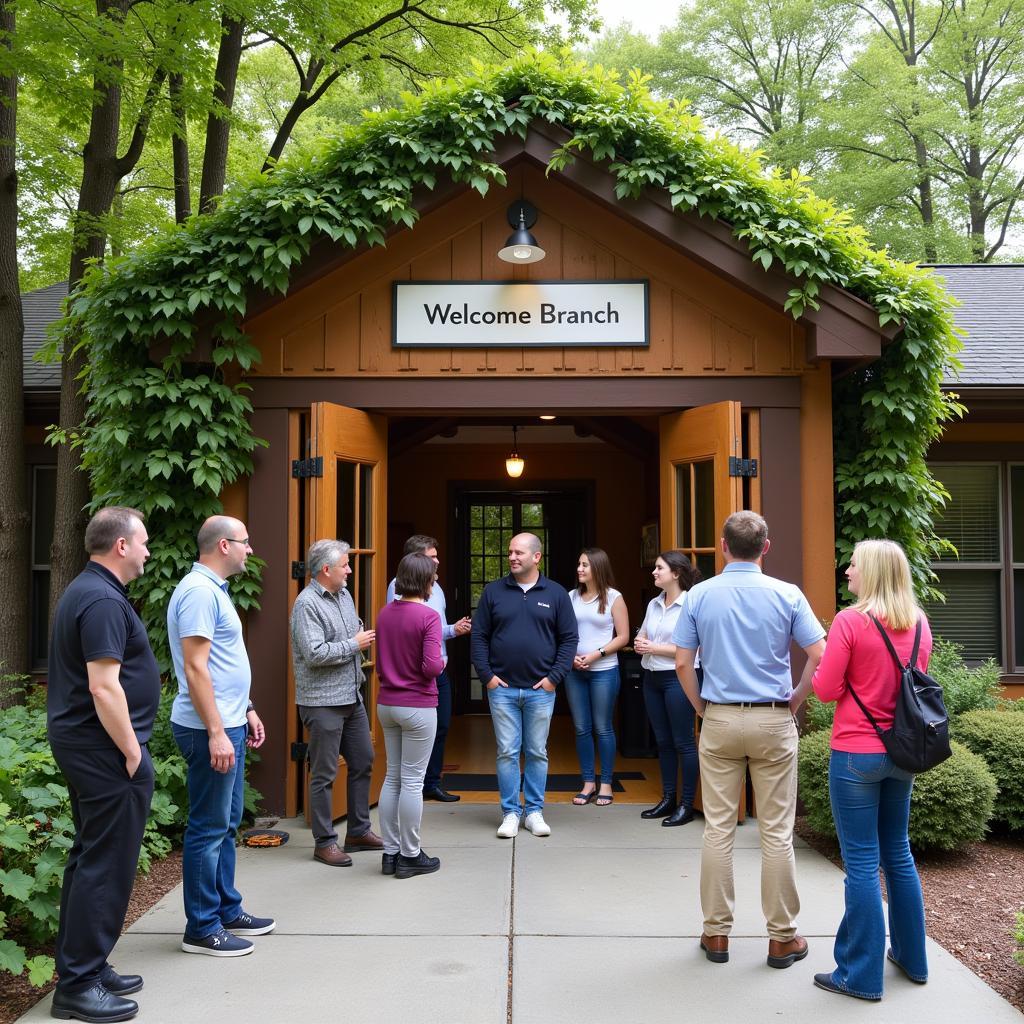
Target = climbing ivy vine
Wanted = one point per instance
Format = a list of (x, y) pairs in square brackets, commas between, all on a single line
[(167, 433)]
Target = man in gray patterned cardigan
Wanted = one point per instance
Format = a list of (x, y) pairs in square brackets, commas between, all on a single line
[(327, 644)]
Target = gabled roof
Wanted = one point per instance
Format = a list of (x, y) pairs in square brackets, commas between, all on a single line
[(992, 319), (40, 309)]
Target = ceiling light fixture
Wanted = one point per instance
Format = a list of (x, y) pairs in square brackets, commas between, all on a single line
[(515, 463), (521, 246)]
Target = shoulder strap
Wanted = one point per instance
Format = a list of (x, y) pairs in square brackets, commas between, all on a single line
[(867, 714), (888, 643), (917, 645)]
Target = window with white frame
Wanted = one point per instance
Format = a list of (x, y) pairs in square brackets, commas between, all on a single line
[(984, 582)]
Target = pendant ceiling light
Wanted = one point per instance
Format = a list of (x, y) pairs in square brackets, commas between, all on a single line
[(515, 463), (521, 246)]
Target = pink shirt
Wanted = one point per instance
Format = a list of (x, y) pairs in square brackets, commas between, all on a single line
[(856, 653), (408, 655)]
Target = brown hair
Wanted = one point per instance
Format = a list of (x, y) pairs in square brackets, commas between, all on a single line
[(418, 543), (415, 576), (745, 534), (678, 563), (601, 569), (109, 525)]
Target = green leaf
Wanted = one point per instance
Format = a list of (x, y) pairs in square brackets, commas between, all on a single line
[(40, 970), (12, 957)]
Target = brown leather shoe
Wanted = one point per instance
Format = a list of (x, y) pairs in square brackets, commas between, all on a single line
[(716, 948), (785, 954), (367, 841), (333, 855)]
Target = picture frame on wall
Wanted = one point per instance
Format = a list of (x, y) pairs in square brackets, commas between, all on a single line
[(649, 544)]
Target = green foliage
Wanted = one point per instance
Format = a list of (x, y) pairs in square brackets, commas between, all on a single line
[(999, 739), (1018, 935), (818, 716), (36, 829), (167, 437), (964, 689), (950, 807)]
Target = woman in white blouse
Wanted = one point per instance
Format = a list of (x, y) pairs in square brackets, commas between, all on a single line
[(593, 684), (670, 713)]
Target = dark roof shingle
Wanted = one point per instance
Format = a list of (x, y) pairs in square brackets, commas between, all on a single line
[(40, 308)]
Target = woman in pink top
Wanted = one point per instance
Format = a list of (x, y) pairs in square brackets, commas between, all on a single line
[(408, 663), (870, 796)]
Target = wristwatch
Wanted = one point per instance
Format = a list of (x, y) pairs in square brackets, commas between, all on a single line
[(600, 651), (250, 707)]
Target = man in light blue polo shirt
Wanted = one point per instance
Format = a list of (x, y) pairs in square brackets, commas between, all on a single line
[(744, 624), (213, 721)]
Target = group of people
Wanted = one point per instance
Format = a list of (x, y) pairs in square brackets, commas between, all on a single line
[(716, 650)]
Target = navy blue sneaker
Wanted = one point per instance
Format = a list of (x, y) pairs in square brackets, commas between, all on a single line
[(220, 943), (246, 924)]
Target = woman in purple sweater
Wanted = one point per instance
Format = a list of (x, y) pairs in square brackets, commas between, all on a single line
[(408, 663)]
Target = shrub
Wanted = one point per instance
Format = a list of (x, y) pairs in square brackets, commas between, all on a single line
[(950, 806), (998, 737), (36, 829), (818, 716), (964, 689), (1018, 934)]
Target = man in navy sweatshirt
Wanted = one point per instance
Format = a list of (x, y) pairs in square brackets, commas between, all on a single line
[(523, 642)]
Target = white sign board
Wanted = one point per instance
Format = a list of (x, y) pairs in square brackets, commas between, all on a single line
[(509, 314)]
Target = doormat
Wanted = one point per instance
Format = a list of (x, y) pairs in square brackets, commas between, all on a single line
[(467, 782)]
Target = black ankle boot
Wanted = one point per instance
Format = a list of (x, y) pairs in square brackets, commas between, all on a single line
[(661, 810), (680, 816)]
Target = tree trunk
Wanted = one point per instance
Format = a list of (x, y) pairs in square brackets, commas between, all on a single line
[(179, 152), (14, 505), (100, 177), (218, 124)]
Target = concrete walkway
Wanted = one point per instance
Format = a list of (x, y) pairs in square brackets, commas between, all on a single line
[(597, 924)]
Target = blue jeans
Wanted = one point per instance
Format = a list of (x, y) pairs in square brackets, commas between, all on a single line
[(672, 719), (521, 718), (871, 805), (592, 702), (214, 813)]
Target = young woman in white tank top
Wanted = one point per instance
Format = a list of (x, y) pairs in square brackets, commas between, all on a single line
[(593, 684)]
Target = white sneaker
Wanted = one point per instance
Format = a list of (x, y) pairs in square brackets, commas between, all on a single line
[(536, 824), (509, 827)]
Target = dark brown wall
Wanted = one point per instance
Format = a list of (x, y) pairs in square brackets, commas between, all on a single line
[(779, 469)]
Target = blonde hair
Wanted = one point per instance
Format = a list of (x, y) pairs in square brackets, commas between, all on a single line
[(886, 589)]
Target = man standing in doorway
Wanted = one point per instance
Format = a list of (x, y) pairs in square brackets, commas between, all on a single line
[(102, 697), (328, 641), (524, 639), (744, 623), (421, 544), (213, 720)]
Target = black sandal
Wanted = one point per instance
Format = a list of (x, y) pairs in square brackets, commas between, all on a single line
[(604, 799), (582, 799)]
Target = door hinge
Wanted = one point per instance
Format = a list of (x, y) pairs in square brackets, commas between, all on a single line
[(302, 469), (742, 467), (299, 751), (298, 570)]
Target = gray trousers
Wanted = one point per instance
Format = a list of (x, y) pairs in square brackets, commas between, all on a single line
[(408, 740), (340, 729)]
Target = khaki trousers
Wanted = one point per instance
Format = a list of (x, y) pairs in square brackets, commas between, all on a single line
[(763, 739)]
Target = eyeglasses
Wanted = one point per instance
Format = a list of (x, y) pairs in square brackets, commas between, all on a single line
[(236, 540)]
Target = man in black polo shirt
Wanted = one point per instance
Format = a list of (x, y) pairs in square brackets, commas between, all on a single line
[(523, 642), (102, 697)]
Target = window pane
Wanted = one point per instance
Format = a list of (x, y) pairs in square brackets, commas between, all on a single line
[(971, 518), (704, 505), (684, 507), (346, 503), (972, 614), (40, 609), (1017, 519), (44, 498), (706, 564), (366, 511), (1018, 619)]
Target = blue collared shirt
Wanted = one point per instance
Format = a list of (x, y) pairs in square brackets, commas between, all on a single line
[(437, 602), (200, 606), (744, 622)]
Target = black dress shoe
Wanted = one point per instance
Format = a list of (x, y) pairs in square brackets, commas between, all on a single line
[(120, 984), (441, 794), (94, 1004), (661, 810), (388, 861), (680, 816)]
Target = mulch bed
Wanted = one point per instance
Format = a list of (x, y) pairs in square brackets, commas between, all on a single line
[(971, 899)]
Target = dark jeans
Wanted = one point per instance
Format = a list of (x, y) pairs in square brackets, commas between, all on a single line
[(672, 719), (592, 703), (344, 729), (109, 811), (215, 801), (432, 780)]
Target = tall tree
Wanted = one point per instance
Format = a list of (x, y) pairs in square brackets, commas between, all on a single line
[(14, 511)]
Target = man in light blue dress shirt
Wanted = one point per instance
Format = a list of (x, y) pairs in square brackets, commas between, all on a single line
[(421, 544), (744, 624)]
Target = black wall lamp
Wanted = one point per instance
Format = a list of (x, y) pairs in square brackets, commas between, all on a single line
[(521, 246)]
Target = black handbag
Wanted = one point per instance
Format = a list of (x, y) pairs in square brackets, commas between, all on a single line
[(919, 736)]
